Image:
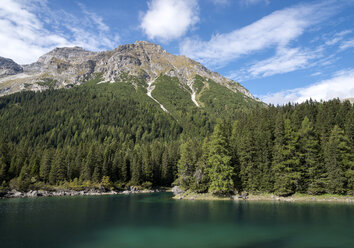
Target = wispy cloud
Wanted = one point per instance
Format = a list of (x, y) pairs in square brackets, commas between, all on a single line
[(242, 2), (285, 60), (337, 37), (166, 20), (221, 2), (276, 30), (251, 2), (347, 44), (30, 28), (341, 85)]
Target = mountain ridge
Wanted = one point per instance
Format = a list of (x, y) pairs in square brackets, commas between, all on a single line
[(75, 65)]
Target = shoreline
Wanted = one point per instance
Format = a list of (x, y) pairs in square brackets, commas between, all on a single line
[(265, 197), (11, 194)]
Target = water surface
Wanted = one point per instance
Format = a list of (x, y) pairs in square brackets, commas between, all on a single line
[(155, 220)]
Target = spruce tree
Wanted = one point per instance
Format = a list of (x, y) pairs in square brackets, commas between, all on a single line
[(201, 180), (312, 171), (220, 172), (166, 168), (338, 159), (190, 152), (286, 160), (45, 165), (248, 161), (57, 172), (4, 161)]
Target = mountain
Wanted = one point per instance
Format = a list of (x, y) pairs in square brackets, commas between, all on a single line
[(144, 63), (76, 115), (138, 115), (9, 67)]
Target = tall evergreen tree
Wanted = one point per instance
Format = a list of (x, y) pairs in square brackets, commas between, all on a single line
[(45, 165), (58, 169), (4, 161), (286, 160), (220, 172), (312, 171), (201, 180), (190, 152), (338, 159)]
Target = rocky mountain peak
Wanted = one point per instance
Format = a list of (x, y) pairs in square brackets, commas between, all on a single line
[(9, 67), (65, 53), (75, 65)]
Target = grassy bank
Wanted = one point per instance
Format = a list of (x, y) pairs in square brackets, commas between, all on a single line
[(267, 197)]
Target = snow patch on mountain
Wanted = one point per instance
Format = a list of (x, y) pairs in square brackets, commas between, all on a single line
[(194, 100), (150, 88)]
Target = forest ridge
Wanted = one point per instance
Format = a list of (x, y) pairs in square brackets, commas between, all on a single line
[(113, 135)]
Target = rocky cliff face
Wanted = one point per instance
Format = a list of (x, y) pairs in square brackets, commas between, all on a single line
[(9, 67), (70, 66)]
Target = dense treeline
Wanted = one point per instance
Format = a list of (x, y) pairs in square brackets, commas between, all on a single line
[(114, 135), (306, 148), (90, 133)]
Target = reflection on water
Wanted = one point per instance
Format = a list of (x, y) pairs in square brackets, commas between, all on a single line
[(155, 220)]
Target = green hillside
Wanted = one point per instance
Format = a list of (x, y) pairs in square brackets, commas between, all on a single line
[(115, 135), (130, 137)]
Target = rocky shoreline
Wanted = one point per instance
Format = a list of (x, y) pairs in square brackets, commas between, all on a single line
[(6, 194), (187, 195)]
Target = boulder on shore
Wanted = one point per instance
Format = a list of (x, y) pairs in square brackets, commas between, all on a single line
[(177, 190)]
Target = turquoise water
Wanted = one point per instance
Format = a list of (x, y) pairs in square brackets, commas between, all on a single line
[(155, 220)]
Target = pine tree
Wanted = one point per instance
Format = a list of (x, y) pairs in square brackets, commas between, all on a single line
[(4, 161), (286, 160), (92, 160), (248, 153), (45, 165), (312, 171), (35, 164), (116, 170), (148, 169), (166, 169), (264, 145), (190, 153), (58, 169), (125, 168), (24, 180), (235, 156), (221, 172), (136, 166), (201, 180), (338, 159), (107, 161)]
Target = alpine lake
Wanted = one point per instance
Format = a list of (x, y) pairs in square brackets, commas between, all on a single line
[(156, 220)]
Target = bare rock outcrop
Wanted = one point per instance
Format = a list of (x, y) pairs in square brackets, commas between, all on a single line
[(75, 65), (9, 67)]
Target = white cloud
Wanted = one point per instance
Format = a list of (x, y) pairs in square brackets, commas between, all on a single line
[(341, 85), (286, 60), (166, 20), (347, 44), (221, 2), (30, 28), (94, 18), (337, 37), (250, 2), (242, 2), (275, 30)]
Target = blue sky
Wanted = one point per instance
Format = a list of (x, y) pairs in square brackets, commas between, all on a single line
[(280, 50)]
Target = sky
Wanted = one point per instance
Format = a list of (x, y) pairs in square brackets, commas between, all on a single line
[(281, 50)]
